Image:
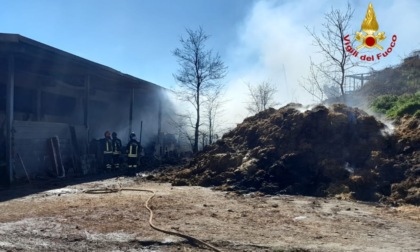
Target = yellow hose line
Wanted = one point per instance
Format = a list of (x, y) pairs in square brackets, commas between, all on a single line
[(146, 204)]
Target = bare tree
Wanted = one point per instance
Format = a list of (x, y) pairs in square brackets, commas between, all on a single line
[(312, 83), (181, 123), (204, 139), (212, 106), (199, 73), (261, 97), (336, 61)]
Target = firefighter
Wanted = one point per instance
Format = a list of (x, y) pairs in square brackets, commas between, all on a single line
[(106, 146), (116, 150), (133, 148)]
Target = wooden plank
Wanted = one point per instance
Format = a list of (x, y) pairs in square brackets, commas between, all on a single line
[(24, 168), (56, 158)]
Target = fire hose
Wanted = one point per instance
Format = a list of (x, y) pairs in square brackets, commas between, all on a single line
[(146, 204)]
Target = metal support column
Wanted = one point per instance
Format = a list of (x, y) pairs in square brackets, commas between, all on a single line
[(160, 142), (10, 86), (38, 105), (86, 106), (130, 126)]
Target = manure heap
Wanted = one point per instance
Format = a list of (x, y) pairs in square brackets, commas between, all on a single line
[(337, 151)]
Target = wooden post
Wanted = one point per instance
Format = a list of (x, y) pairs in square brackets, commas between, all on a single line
[(10, 87)]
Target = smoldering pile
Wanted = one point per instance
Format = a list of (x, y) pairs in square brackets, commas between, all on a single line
[(407, 155), (336, 151)]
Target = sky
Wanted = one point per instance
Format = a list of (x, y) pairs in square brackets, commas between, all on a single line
[(258, 40)]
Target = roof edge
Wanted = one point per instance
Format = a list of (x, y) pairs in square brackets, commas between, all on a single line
[(17, 38)]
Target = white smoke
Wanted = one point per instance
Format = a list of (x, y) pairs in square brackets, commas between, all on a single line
[(273, 44)]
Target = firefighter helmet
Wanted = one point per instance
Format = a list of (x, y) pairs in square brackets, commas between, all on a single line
[(132, 135), (114, 134)]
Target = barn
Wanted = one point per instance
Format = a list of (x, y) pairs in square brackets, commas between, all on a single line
[(54, 103)]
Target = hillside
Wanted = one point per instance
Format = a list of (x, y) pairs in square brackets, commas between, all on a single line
[(386, 86), (397, 80)]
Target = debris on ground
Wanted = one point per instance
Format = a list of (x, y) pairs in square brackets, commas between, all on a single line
[(232, 222)]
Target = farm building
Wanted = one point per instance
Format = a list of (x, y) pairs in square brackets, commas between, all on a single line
[(48, 95)]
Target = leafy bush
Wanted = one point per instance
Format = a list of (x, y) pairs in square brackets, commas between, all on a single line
[(397, 106), (384, 103)]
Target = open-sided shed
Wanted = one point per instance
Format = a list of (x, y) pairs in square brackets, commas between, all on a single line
[(46, 92)]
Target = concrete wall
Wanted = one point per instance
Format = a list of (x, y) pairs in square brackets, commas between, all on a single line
[(31, 142)]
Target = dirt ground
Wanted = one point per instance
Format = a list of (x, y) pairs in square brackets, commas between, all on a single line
[(68, 219)]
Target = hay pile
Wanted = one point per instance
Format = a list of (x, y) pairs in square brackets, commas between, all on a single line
[(336, 151), (407, 137)]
